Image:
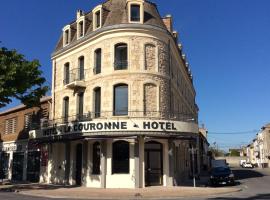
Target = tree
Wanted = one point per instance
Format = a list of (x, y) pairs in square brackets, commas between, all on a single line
[(20, 79)]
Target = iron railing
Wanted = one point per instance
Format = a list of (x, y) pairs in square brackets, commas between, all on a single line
[(77, 74), (152, 115)]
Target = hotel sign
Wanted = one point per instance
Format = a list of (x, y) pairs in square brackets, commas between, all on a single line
[(86, 128)]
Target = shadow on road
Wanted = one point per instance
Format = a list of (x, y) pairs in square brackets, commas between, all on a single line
[(241, 174), (258, 196)]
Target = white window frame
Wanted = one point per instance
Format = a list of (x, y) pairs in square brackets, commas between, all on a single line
[(94, 11), (66, 28), (139, 3)]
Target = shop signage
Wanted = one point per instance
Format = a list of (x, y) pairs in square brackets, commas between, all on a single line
[(114, 126)]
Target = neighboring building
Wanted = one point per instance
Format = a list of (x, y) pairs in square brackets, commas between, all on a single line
[(124, 113), (258, 152), (20, 159), (205, 155)]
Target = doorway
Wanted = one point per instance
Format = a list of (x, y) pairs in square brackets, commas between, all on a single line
[(153, 158), (33, 166), (17, 166), (79, 164)]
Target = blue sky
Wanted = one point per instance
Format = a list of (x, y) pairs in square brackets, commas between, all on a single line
[(226, 41)]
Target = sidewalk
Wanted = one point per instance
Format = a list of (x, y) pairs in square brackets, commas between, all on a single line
[(55, 191)]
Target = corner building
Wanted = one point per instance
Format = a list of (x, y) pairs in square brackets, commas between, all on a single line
[(124, 112)]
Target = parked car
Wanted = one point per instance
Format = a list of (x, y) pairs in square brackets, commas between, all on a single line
[(242, 162), (221, 175), (247, 165)]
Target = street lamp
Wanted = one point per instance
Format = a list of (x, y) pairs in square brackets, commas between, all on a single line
[(193, 151)]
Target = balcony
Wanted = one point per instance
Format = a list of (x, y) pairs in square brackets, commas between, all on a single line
[(136, 115), (75, 79)]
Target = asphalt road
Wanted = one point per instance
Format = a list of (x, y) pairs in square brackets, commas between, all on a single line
[(255, 184)]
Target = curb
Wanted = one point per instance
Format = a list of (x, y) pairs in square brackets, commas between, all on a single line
[(135, 197)]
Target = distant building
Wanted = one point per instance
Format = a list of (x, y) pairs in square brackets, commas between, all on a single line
[(20, 160), (258, 152)]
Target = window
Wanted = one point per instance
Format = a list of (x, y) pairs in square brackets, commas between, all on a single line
[(97, 106), (120, 157), (96, 158), (27, 121), (81, 29), (66, 37), (81, 68), (135, 13), (80, 105), (121, 100), (11, 125), (120, 57), (65, 109), (98, 19), (97, 69), (66, 74)]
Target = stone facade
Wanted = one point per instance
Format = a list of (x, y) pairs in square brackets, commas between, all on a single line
[(144, 66)]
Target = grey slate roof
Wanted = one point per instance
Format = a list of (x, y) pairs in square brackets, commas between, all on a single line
[(115, 12)]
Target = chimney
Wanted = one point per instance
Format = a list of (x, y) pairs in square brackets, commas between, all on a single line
[(79, 13), (168, 23)]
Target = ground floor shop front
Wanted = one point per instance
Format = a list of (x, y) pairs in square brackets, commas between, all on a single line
[(118, 162), (19, 161)]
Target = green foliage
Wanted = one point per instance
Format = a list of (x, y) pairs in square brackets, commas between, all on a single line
[(20, 79), (217, 152), (234, 152)]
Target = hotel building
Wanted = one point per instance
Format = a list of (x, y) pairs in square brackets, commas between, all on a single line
[(123, 102)]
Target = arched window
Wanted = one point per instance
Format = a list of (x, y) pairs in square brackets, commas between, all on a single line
[(66, 74), (97, 101), (120, 157), (96, 158), (81, 68), (97, 69), (120, 56), (65, 109), (120, 100)]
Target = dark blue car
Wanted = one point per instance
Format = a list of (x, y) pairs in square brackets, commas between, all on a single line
[(222, 175)]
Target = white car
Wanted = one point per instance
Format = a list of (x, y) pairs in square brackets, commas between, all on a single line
[(247, 165)]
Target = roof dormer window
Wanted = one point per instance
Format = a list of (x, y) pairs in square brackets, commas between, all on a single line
[(80, 24), (97, 17), (66, 35), (136, 11)]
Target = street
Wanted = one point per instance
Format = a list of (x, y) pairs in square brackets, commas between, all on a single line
[(254, 184)]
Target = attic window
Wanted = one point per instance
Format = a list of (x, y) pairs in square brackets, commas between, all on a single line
[(81, 29), (66, 37), (135, 13), (97, 14)]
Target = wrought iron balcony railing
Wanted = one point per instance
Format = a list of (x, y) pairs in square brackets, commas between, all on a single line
[(153, 115), (77, 74)]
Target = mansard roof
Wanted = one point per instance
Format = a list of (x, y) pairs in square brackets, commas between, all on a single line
[(114, 12)]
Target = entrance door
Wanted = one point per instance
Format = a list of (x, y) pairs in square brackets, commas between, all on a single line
[(17, 166), (4, 160), (79, 164), (33, 166), (153, 164)]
